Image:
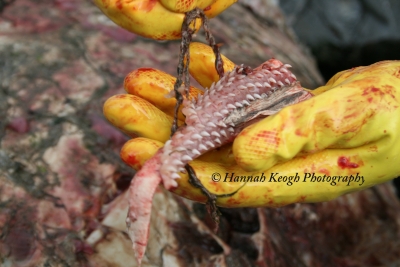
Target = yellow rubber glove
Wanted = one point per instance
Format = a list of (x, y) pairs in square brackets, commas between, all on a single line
[(158, 19), (351, 128), (343, 131)]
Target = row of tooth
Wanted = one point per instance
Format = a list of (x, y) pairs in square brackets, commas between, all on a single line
[(193, 115), (215, 87), (198, 136)]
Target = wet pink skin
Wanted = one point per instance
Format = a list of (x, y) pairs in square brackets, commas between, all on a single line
[(205, 130)]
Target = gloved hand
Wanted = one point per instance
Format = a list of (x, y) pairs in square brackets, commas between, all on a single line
[(344, 139), (158, 19)]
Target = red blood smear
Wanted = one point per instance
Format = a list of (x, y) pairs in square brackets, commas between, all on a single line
[(82, 247), (19, 125), (344, 162)]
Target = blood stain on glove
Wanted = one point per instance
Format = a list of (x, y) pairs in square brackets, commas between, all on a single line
[(344, 163)]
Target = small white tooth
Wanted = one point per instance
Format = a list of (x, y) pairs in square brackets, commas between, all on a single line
[(230, 106), (187, 158), (177, 162), (242, 87), (180, 148), (249, 97), (259, 75), (257, 96), (222, 124), (206, 98), (284, 70), (232, 124), (264, 95), (250, 85), (199, 125), (208, 143), (293, 76), (231, 79), (199, 108), (223, 133), (267, 85), (240, 77), (287, 66), (276, 72), (190, 111), (272, 80), (258, 84), (238, 105), (207, 115), (231, 129), (219, 88), (193, 117), (245, 102), (188, 143), (231, 94), (215, 134), (287, 81), (179, 135), (168, 143), (190, 128), (175, 175), (202, 147), (170, 168), (224, 111), (232, 73), (218, 141), (182, 170), (228, 84), (211, 124), (241, 69), (208, 104), (266, 71), (212, 92), (197, 136), (280, 83), (204, 133), (218, 114), (196, 152)]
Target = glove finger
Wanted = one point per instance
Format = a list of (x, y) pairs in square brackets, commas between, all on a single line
[(147, 18), (331, 174), (217, 7), (137, 117), (202, 64), (137, 151), (155, 86), (361, 108), (183, 6)]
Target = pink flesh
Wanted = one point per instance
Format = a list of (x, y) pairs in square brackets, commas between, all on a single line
[(203, 132)]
